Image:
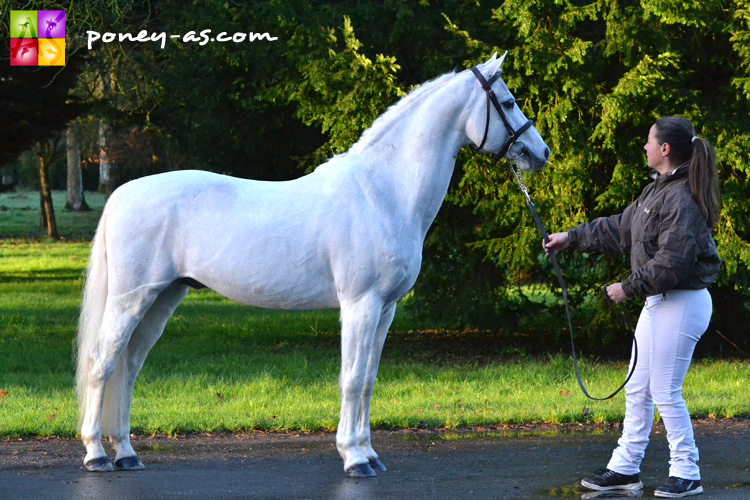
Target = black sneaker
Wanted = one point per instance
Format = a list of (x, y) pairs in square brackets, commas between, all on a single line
[(606, 480), (676, 487)]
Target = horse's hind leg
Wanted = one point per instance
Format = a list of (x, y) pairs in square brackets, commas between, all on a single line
[(116, 417), (363, 419), (122, 314)]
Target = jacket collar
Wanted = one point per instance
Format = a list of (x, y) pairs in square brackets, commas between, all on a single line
[(678, 173)]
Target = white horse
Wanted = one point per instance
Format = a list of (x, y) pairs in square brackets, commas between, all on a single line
[(349, 235)]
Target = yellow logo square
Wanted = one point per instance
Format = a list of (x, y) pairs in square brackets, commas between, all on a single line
[(51, 52)]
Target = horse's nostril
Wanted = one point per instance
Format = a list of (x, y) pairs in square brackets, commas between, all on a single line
[(546, 154)]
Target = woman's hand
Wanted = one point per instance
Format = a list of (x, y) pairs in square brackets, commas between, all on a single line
[(557, 242), (615, 293)]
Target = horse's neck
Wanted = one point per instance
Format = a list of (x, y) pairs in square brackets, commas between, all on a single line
[(412, 163)]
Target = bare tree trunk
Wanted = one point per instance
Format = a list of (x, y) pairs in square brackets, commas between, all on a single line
[(75, 200), (106, 170), (45, 153)]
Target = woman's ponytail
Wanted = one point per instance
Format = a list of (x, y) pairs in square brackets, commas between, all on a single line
[(704, 180)]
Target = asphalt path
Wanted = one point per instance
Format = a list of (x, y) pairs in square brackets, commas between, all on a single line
[(515, 463)]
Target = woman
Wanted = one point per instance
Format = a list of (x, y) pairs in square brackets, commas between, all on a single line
[(667, 231)]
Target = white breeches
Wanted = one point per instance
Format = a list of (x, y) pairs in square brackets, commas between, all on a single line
[(669, 327)]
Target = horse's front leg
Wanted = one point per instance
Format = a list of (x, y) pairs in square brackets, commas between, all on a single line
[(359, 322), (363, 422)]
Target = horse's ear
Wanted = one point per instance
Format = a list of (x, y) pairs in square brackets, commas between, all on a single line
[(503, 57), (492, 66)]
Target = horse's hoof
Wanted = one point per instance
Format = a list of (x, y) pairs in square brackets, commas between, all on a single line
[(130, 463), (100, 464), (377, 465), (361, 470)]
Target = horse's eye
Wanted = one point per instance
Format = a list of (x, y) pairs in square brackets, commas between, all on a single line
[(509, 104)]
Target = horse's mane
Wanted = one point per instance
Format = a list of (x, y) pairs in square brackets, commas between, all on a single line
[(406, 103)]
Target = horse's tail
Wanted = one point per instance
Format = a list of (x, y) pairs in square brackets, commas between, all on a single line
[(92, 312)]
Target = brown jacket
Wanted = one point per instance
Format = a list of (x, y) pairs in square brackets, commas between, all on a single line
[(669, 242)]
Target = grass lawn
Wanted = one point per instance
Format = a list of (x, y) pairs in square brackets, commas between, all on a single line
[(19, 215), (221, 366)]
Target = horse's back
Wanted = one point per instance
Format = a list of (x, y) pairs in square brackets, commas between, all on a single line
[(256, 242), (191, 199)]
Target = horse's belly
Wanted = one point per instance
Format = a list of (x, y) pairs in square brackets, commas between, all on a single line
[(270, 298), (275, 281)]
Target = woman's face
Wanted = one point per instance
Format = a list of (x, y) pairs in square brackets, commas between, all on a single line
[(656, 153)]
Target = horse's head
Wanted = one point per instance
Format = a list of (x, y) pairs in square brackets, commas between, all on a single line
[(497, 124)]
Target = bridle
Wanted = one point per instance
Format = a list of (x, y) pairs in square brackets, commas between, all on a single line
[(513, 135)]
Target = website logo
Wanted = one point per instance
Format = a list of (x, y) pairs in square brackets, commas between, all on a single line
[(37, 38)]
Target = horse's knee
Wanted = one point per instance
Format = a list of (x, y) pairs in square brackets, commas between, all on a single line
[(351, 385)]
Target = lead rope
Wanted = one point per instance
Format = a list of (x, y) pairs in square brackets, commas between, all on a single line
[(517, 175)]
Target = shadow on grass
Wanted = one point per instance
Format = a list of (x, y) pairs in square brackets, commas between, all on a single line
[(55, 274)]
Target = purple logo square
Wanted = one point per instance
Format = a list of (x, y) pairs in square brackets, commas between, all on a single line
[(51, 24)]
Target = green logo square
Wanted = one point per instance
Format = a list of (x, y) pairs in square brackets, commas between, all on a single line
[(23, 24)]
